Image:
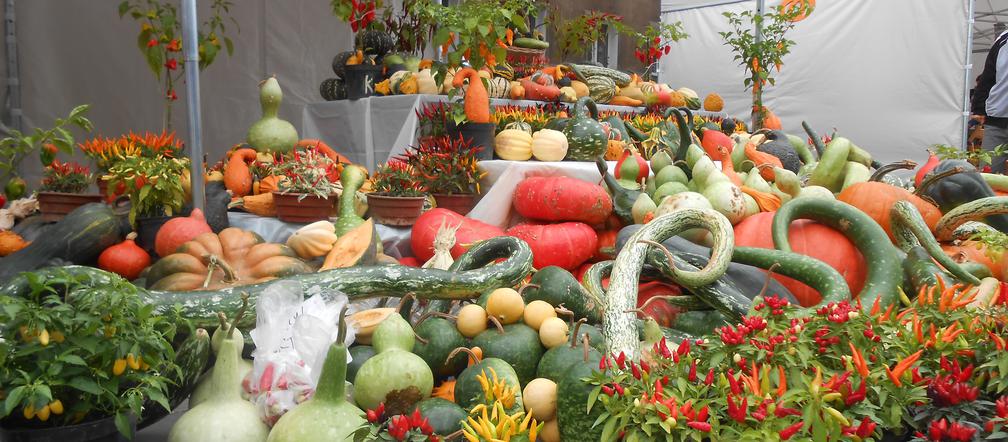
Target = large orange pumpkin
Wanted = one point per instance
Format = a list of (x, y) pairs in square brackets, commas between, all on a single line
[(876, 198), (808, 238)]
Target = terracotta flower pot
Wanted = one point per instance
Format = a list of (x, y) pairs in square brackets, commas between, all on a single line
[(301, 208), (55, 205), (395, 210), (460, 203)]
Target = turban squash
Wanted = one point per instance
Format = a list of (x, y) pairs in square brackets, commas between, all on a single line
[(232, 257)]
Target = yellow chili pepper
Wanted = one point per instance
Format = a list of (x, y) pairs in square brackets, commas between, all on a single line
[(29, 411), (110, 331), (132, 361), (119, 367), (43, 414), (44, 337), (57, 336), (829, 397), (838, 416), (56, 407), (816, 382)]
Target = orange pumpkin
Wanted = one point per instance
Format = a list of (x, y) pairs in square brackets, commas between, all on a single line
[(269, 184), (977, 252), (876, 198)]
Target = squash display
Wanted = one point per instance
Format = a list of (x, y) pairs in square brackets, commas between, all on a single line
[(178, 231), (270, 133), (566, 245), (877, 199), (233, 257), (513, 145), (549, 145), (562, 198), (585, 136)]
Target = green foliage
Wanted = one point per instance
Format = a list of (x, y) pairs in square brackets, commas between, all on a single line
[(757, 55), (978, 157), (14, 148), (576, 34), (398, 178), (476, 29), (62, 342), (153, 184)]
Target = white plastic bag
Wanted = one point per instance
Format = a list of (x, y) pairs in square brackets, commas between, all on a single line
[(292, 337)]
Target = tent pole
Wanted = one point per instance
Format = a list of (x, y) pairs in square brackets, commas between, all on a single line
[(191, 46), (13, 80), (967, 70)]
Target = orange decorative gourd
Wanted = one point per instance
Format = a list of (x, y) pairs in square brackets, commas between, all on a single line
[(269, 184), (445, 390), (761, 160), (178, 231), (125, 259), (876, 198), (770, 120), (237, 175), (977, 252), (477, 103)]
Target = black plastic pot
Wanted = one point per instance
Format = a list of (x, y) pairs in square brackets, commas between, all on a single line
[(479, 134), (361, 80), (147, 229), (103, 430)]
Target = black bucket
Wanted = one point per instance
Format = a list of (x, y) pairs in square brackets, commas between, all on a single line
[(361, 80), (479, 134), (103, 430), (147, 229)]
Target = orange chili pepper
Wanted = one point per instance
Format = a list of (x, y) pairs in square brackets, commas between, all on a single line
[(781, 381), (885, 317), (876, 306), (892, 377), (931, 331), (917, 329), (903, 366), (999, 342), (858, 360), (509, 36)]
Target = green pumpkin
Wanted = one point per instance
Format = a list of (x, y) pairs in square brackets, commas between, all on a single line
[(585, 136), (601, 88)]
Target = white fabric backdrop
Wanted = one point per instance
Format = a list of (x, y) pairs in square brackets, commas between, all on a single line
[(887, 74)]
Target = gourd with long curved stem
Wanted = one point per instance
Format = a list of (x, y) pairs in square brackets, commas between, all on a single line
[(618, 326), (909, 229), (477, 103), (971, 211)]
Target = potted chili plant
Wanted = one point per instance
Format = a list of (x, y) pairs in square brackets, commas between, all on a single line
[(74, 369), (399, 194), (47, 142), (157, 190), (62, 190), (451, 167), (308, 186), (106, 152)]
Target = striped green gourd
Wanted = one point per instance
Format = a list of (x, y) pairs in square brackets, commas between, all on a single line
[(601, 88), (584, 72), (586, 139), (975, 210), (910, 230)]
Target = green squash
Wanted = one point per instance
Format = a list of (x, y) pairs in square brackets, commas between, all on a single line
[(359, 354), (586, 138), (469, 392), (601, 88), (445, 416), (518, 345), (441, 338), (558, 286), (394, 376)]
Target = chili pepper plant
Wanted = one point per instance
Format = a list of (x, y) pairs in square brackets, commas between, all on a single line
[(308, 172), (66, 358), (936, 369), (398, 177), (382, 426), (66, 177), (446, 165)]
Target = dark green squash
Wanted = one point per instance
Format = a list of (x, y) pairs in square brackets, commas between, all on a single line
[(518, 345), (559, 287), (445, 416), (586, 139), (374, 42), (359, 354), (440, 337), (469, 392), (78, 238), (556, 124)]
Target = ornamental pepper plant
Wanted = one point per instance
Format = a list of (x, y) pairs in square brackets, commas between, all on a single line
[(66, 358), (398, 177), (936, 369), (446, 165), (65, 178), (382, 426), (308, 172)]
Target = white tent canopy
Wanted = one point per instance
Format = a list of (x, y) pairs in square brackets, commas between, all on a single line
[(888, 75)]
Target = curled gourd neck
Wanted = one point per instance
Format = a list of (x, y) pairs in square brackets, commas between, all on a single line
[(888, 168), (934, 178), (585, 107), (225, 382), (270, 97)]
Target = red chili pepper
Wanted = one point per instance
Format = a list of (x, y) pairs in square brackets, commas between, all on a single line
[(635, 371), (621, 361), (710, 377), (692, 371), (619, 389), (786, 433), (644, 366), (684, 348), (703, 414), (733, 383), (607, 390), (700, 426)]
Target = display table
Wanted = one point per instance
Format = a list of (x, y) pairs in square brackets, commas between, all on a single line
[(370, 130)]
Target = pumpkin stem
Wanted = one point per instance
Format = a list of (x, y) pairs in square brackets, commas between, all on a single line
[(131, 237), (406, 299), (496, 322), (562, 310), (577, 328), (882, 171), (420, 338), (428, 315), (934, 178), (456, 351)]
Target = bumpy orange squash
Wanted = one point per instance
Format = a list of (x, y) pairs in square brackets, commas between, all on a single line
[(232, 257)]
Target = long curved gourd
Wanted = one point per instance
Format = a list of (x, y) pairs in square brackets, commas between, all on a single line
[(201, 307), (972, 211), (809, 271), (885, 272), (476, 103), (719, 295), (910, 229), (618, 327)]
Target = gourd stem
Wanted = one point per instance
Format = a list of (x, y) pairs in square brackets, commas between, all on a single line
[(561, 310), (817, 143), (585, 345), (577, 329), (769, 275), (496, 322), (467, 350), (934, 178), (910, 229), (886, 169)]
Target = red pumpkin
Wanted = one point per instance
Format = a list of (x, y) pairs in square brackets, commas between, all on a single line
[(566, 245), (562, 198), (811, 239), (876, 199), (926, 168), (178, 231), (713, 139), (125, 259), (606, 245), (409, 261), (977, 252), (426, 226)]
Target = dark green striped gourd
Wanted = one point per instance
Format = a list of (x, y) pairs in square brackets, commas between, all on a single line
[(601, 88), (586, 139)]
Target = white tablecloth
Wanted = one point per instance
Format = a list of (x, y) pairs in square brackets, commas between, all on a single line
[(373, 129)]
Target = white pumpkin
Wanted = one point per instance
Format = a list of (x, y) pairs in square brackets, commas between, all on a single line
[(549, 145), (513, 145)]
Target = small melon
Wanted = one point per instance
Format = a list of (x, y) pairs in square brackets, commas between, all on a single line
[(472, 320), (553, 332), (506, 305), (538, 311)]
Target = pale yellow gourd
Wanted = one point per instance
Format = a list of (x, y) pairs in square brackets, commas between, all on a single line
[(425, 83), (513, 145), (568, 95), (549, 145), (580, 88), (314, 240)]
